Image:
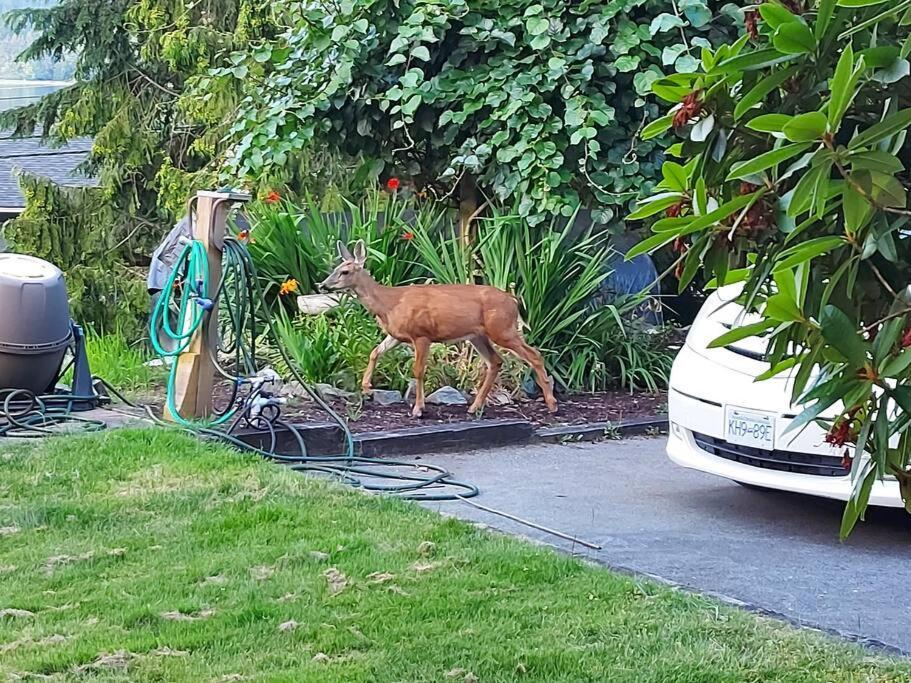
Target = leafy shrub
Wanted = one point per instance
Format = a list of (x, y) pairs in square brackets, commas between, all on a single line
[(556, 276), (794, 181), (298, 241), (538, 102), (334, 348)]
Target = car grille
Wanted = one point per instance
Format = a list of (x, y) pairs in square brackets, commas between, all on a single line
[(784, 461)]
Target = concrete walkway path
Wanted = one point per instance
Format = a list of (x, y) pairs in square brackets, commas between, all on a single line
[(773, 551)]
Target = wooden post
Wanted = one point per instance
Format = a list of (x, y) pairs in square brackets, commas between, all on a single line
[(195, 375)]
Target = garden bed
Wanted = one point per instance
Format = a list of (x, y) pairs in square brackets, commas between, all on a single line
[(576, 409)]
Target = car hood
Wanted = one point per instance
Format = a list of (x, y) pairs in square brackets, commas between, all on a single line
[(719, 314)]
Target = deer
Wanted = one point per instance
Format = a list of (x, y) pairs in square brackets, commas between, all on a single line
[(420, 315)]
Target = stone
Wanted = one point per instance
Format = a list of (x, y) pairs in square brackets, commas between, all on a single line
[(447, 396), (409, 393), (387, 397), (294, 389), (315, 304), (329, 391)]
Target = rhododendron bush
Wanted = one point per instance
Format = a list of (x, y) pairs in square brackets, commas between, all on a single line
[(790, 176)]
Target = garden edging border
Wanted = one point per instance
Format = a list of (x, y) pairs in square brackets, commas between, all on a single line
[(328, 438)]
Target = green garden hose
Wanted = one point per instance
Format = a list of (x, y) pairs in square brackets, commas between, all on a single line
[(188, 286), (243, 314)]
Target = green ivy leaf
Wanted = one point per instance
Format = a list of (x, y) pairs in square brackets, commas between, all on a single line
[(537, 25)]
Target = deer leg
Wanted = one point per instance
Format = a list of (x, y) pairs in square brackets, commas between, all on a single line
[(384, 346), (421, 350), (483, 346), (531, 356)]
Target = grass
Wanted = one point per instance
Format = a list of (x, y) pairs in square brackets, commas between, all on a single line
[(120, 363), (145, 555)]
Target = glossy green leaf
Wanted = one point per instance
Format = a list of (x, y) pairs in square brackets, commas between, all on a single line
[(886, 128), (657, 127), (741, 332), (775, 14), (769, 123), (782, 308), (840, 333), (794, 38), (654, 205), (856, 208), (807, 251), (761, 90), (805, 127), (675, 176), (766, 161)]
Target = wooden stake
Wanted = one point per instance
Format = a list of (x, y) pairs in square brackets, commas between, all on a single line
[(195, 374)]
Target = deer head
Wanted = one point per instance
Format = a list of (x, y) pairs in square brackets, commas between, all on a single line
[(350, 271)]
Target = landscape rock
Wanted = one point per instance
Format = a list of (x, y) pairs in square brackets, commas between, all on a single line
[(315, 304), (328, 391), (387, 397), (447, 396), (294, 389)]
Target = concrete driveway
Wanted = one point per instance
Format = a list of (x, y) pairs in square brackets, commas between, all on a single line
[(775, 552)]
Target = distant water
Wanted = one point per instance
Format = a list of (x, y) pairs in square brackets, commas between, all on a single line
[(19, 93)]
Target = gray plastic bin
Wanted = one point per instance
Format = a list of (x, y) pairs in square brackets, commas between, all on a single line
[(35, 326)]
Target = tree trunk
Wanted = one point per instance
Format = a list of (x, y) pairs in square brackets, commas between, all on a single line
[(468, 207)]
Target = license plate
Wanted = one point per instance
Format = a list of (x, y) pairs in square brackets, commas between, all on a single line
[(749, 428)]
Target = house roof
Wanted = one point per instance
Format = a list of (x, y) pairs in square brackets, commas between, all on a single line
[(31, 156)]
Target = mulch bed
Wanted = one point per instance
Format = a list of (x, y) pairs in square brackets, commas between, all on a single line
[(576, 409)]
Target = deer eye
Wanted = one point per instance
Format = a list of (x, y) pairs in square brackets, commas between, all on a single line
[(344, 272)]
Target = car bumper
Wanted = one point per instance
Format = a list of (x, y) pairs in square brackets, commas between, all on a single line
[(699, 390)]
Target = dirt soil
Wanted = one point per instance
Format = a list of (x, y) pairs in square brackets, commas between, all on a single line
[(575, 409)]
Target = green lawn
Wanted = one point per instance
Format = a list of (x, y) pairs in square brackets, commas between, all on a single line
[(144, 555)]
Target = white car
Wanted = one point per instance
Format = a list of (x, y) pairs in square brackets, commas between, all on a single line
[(723, 422)]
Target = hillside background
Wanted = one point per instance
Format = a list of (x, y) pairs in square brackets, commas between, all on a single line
[(11, 45)]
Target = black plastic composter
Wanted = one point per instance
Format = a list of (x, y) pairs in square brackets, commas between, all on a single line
[(35, 328)]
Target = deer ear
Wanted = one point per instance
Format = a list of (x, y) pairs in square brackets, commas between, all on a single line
[(343, 252), (360, 252)]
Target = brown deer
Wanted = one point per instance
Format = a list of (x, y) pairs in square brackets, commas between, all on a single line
[(423, 314)]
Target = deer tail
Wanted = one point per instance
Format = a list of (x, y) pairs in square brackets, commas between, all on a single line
[(521, 322)]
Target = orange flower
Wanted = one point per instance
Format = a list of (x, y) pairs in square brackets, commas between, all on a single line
[(288, 286), (393, 184), (243, 235), (407, 236), (273, 197)]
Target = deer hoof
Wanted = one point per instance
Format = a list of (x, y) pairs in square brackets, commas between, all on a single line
[(552, 407), (417, 412)]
